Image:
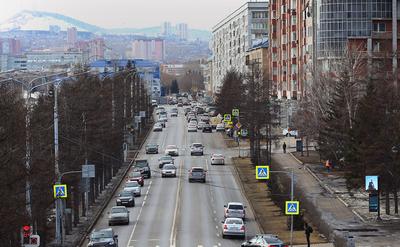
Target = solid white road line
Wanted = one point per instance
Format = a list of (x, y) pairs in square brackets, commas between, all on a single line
[(172, 238), (140, 212)]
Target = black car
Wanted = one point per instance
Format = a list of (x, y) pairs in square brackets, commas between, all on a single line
[(103, 237), (207, 128), (126, 198), (151, 148), (143, 167)]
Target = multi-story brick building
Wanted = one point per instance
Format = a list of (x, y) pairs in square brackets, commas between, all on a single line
[(235, 35), (289, 23)]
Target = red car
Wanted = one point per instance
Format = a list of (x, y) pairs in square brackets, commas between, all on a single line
[(136, 176)]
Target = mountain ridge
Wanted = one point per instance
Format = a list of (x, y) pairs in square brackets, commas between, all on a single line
[(41, 20)]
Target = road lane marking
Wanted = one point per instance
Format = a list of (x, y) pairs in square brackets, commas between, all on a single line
[(138, 216), (178, 191)]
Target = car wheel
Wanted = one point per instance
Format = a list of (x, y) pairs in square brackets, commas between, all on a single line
[(204, 181), (190, 180), (109, 224), (202, 153), (162, 176), (223, 236)]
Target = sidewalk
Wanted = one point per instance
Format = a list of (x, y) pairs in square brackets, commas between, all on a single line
[(332, 217)]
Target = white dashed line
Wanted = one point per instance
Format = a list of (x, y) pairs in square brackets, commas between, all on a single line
[(140, 212)]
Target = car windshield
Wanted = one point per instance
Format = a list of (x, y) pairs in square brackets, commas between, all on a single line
[(151, 145), (118, 210), (166, 158), (141, 164), (169, 167), (101, 234), (126, 193), (234, 221), (197, 145), (217, 155), (132, 184), (171, 147), (235, 206)]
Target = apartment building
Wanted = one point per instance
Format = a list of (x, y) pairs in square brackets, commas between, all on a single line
[(233, 36), (290, 35)]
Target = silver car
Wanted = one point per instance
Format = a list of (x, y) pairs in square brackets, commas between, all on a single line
[(133, 186), (118, 215), (168, 170), (235, 209), (233, 227), (196, 148)]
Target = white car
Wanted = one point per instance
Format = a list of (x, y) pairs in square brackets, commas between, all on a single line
[(233, 227), (220, 127), (192, 128), (172, 150), (235, 209), (157, 127), (217, 159), (168, 170)]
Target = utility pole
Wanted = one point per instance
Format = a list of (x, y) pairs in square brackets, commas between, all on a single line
[(56, 167), (394, 44)]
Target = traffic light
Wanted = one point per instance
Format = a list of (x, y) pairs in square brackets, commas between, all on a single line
[(26, 233)]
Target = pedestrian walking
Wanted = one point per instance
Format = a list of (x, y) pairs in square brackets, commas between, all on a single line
[(284, 147), (328, 165), (308, 230)]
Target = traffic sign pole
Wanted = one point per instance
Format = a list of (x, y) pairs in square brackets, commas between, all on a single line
[(291, 198)]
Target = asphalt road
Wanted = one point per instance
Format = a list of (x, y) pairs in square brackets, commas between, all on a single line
[(174, 212)]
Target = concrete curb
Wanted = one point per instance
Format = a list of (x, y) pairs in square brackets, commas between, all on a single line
[(237, 177), (326, 187), (107, 201)]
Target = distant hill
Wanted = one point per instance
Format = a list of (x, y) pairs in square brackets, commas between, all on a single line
[(39, 20)]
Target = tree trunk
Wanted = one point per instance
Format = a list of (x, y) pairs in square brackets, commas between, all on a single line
[(396, 200), (387, 199)]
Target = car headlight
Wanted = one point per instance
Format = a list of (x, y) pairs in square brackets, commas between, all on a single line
[(118, 200), (111, 242), (130, 199)]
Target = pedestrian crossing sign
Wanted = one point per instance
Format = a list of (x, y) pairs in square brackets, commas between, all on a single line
[(60, 191), (262, 172), (227, 117), (292, 207)]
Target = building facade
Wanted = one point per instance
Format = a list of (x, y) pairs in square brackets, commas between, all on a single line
[(182, 31), (48, 60), (173, 69), (233, 36), (150, 49), (148, 70), (288, 39), (72, 36), (259, 56)]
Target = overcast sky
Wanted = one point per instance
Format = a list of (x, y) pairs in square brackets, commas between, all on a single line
[(201, 14)]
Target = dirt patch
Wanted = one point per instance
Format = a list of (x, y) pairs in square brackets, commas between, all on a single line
[(267, 213)]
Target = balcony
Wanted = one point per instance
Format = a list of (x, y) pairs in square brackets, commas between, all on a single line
[(382, 35), (294, 60)]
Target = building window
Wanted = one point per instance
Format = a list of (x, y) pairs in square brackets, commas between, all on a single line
[(379, 27), (259, 14), (294, 20), (293, 36), (377, 46), (284, 39)]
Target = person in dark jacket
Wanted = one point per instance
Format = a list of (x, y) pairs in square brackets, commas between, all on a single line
[(308, 230), (284, 147)]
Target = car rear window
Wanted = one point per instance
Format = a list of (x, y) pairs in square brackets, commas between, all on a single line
[(126, 193), (197, 170), (234, 221), (169, 167), (132, 184), (197, 145), (135, 174), (235, 206), (141, 163), (118, 210)]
